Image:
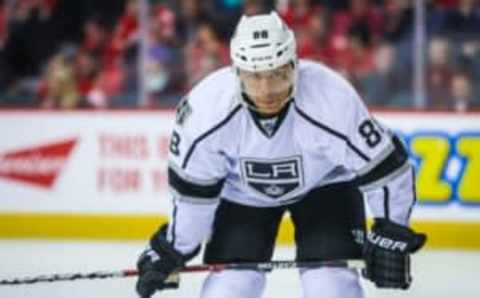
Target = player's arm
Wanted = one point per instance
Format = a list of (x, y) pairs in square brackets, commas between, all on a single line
[(195, 175), (386, 177), (380, 163)]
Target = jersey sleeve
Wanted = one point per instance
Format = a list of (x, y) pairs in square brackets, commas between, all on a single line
[(380, 163), (196, 175), (196, 167)]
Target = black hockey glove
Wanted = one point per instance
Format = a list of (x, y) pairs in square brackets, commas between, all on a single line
[(387, 254), (158, 264)]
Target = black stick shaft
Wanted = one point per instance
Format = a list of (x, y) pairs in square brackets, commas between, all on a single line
[(267, 266)]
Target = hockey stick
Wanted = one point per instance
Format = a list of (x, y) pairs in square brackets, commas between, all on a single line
[(267, 266)]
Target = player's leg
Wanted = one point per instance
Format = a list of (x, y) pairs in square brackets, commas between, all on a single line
[(329, 225), (240, 234), (330, 283), (234, 284)]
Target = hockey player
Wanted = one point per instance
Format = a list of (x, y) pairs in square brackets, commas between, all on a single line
[(272, 135)]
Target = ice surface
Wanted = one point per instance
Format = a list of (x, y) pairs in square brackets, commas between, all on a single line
[(439, 274)]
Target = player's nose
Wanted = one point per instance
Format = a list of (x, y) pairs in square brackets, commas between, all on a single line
[(266, 84)]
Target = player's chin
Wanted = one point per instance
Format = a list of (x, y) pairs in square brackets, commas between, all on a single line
[(270, 109)]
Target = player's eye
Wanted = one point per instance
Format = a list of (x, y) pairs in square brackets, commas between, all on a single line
[(281, 73)]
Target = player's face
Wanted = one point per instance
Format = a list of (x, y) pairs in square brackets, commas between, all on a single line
[(269, 90)]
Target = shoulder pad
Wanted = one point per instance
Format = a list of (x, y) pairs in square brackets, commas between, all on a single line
[(324, 94), (208, 103)]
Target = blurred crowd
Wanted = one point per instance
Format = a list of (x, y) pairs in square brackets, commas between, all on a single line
[(84, 54)]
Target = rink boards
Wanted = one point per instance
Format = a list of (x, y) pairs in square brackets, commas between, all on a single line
[(103, 174)]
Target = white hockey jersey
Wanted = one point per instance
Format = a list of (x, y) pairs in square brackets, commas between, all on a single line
[(222, 150)]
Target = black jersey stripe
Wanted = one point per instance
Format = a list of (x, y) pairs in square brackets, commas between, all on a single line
[(390, 164), (414, 193), (207, 133), (333, 132), (174, 223), (187, 188), (386, 202)]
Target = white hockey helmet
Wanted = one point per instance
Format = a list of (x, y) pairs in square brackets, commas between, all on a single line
[(262, 43)]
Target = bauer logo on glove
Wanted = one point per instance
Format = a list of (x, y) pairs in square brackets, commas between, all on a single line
[(387, 243)]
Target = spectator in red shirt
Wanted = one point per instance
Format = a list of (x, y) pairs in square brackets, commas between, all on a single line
[(128, 23), (316, 41), (95, 37), (85, 70), (3, 24), (125, 35), (360, 11), (297, 14), (108, 84)]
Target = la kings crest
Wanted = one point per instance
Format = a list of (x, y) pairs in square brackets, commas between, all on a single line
[(273, 178)]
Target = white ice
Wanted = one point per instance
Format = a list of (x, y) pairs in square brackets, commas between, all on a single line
[(437, 274)]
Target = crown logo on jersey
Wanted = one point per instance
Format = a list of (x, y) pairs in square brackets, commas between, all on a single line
[(274, 190), (273, 178), (39, 165)]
